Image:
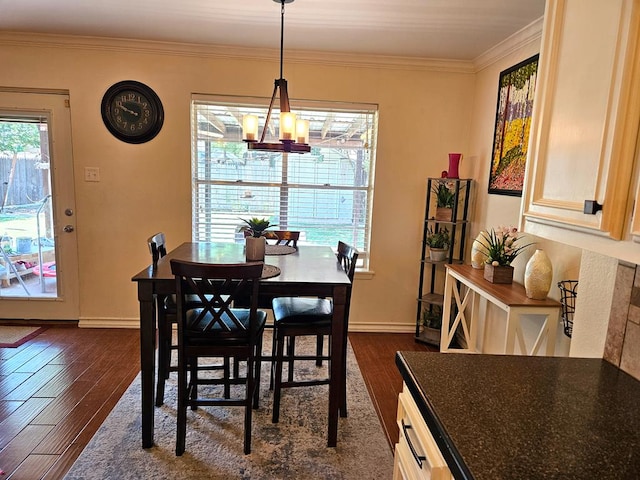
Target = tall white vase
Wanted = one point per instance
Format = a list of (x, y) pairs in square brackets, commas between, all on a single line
[(479, 251), (538, 275), (255, 248)]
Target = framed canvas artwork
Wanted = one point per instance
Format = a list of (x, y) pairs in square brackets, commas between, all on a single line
[(513, 123)]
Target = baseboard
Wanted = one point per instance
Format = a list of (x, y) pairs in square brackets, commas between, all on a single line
[(363, 327), (109, 323), (370, 327)]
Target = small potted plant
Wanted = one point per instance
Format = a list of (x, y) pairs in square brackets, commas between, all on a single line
[(445, 200), (431, 324), (255, 243), (439, 242), (501, 248)]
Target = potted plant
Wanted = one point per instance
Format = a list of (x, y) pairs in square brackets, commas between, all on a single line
[(445, 200), (439, 242), (431, 324), (255, 242), (501, 248)]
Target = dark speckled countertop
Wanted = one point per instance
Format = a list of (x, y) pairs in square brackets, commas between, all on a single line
[(499, 417)]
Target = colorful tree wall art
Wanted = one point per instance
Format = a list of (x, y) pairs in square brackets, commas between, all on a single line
[(513, 123)]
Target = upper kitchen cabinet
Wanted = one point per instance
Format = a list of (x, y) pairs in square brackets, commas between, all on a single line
[(579, 186)]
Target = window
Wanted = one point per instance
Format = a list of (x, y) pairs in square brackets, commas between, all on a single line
[(326, 194)]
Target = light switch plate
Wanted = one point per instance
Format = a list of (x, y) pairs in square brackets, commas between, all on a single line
[(91, 174)]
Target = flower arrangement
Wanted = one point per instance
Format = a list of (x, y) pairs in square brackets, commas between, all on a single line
[(255, 226), (500, 245), (438, 238), (445, 197)]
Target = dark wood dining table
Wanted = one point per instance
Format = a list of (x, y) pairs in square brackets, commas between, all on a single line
[(311, 270)]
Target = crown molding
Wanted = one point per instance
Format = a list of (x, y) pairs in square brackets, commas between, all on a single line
[(528, 35), (39, 40)]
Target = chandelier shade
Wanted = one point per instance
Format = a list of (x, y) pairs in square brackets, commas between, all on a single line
[(294, 133)]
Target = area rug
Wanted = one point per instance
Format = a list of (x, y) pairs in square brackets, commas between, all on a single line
[(13, 336), (294, 448)]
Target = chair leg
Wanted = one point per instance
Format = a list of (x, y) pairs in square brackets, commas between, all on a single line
[(226, 369), (277, 389), (248, 411), (193, 382), (164, 357), (181, 430), (256, 376), (291, 352), (273, 358), (319, 349)]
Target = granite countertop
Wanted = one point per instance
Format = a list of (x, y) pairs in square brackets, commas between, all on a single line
[(502, 417)]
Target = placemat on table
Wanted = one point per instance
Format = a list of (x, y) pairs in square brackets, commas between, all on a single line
[(269, 271), (278, 249)]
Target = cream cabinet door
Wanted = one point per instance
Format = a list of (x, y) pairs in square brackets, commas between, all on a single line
[(585, 121)]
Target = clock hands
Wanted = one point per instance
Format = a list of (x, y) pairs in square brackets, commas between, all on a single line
[(128, 110)]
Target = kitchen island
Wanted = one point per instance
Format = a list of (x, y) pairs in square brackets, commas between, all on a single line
[(519, 417)]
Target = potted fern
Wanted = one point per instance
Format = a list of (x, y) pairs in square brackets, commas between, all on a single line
[(255, 242), (439, 242)]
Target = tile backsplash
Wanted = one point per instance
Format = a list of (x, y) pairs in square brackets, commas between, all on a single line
[(622, 347)]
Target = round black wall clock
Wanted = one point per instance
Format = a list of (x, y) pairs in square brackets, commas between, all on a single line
[(132, 111)]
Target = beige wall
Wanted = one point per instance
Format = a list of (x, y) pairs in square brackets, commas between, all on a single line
[(494, 210), (426, 111), (424, 114)]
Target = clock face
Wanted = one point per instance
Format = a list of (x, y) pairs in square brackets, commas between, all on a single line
[(132, 112)]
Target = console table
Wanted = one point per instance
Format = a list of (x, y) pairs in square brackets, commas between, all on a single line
[(467, 287)]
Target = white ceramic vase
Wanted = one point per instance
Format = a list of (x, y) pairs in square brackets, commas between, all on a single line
[(255, 248), (538, 275), (479, 251)]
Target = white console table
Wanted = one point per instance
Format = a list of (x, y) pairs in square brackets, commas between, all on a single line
[(467, 287)]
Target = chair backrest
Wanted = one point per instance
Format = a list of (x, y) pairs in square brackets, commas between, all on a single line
[(157, 247), (216, 286), (284, 237), (348, 257)]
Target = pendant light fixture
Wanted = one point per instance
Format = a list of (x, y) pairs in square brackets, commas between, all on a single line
[(294, 133)]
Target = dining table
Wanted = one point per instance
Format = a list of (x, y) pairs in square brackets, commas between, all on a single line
[(308, 271)]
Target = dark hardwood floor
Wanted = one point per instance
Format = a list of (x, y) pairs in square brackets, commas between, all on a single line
[(57, 389)]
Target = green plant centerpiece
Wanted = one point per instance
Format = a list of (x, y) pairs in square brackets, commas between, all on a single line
[(255, 226), (255, 243)]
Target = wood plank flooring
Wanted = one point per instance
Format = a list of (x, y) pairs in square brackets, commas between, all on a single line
[(57, 389)]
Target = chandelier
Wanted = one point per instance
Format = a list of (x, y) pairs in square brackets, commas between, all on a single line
[(294, 133)]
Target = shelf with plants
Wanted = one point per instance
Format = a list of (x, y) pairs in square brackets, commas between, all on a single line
[(443, 242)]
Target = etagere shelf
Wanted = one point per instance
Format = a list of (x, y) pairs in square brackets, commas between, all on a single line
[(431, 281)]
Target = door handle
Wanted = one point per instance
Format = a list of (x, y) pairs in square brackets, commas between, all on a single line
[(68, 228)]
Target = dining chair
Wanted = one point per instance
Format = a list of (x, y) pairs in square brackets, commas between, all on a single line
[(166, 309), (166, 314), (217, 329), (305, 316), (283, 237)]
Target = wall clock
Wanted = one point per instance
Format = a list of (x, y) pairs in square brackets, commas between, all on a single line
[(132, 111)]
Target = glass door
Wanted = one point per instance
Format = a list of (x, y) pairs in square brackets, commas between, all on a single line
[(38, 249)]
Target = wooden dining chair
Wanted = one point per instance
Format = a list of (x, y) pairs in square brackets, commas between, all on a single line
[(166, 314), (166, 308), (305, 316), (217, 329), (283, 237)]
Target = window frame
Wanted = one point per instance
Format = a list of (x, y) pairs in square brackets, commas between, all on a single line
[(237, 103)]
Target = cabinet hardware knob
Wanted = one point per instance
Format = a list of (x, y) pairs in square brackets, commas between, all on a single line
[(591, 207)]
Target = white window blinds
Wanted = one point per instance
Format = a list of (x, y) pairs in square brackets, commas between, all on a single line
[(325, 194)]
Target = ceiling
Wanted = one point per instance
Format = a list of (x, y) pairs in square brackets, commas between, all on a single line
[(438, 29)]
